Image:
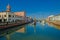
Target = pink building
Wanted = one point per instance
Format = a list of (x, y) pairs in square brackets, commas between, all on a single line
[(22, 14)]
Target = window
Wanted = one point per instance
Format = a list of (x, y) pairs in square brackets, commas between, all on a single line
[(5, 20), (0, 15), (9, 15), (13, 16), (4, 15)]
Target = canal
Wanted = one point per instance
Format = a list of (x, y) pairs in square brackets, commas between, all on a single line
[(31, 32)]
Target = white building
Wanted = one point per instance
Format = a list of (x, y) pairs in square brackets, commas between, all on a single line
[(8, 16), (57, 17), (54, 18)]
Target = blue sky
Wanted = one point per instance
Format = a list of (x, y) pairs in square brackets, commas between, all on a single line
[(33, 8)]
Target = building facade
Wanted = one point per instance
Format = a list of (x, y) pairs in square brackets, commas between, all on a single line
[(8, 16), (54, 18)]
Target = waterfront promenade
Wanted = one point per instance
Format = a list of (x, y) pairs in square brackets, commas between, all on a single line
[(12, 24)]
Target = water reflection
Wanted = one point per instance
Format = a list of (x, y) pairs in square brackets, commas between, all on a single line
[(34, 32), (34, 26), (53, 25), (4, 32), (22, 30)]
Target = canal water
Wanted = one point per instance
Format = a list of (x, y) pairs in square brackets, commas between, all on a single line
[(32, 32)]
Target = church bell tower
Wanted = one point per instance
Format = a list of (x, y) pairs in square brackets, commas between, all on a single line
[(8, 8)]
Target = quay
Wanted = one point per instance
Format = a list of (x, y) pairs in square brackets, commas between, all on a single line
[(57, 23), (15, 24)]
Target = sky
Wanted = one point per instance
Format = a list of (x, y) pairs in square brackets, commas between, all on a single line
[(33, 8)]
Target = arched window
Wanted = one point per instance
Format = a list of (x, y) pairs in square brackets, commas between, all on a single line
[(4, 15), (9, 15), (0, 15)]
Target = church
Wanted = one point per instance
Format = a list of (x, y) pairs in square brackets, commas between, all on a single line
[(8, 16)]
